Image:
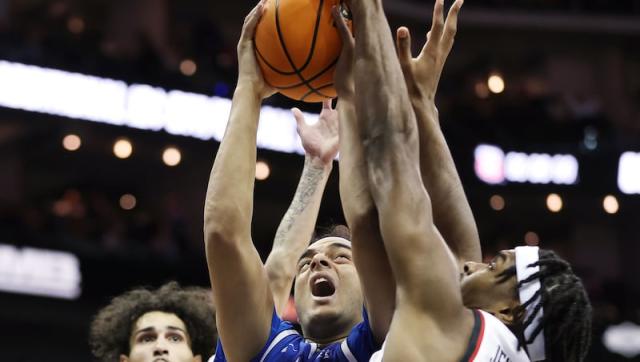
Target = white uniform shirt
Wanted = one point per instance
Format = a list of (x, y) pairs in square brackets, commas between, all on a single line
[(491, 341)]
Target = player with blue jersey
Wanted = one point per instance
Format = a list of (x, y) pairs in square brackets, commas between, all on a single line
[(328, 297)]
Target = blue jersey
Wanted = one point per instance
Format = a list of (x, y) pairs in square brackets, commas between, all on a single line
[(285, 344)]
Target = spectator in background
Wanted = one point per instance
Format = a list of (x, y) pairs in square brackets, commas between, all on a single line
[(174, 323)]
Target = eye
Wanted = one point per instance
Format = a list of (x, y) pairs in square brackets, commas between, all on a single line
[(146, 338), (342, 258), (175, 337), (303, 265), (492, 265)]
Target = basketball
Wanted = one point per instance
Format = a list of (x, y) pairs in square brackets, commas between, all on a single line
[(297, 46)]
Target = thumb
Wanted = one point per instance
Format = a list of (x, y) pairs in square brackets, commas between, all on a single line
[(297, 114), (343, 28)]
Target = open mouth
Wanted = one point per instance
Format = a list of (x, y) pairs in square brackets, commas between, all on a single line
[(322, 287)]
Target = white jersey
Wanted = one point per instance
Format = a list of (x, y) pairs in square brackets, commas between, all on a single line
[(491, 341)]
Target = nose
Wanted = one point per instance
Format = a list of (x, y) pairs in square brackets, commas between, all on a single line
[(160, 349), (470, 267), (319, 261)]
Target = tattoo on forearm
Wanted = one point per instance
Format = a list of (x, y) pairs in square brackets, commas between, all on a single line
[(309, 182)]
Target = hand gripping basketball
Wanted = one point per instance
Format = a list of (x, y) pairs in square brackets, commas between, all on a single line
[(248, 71), (297, 46)]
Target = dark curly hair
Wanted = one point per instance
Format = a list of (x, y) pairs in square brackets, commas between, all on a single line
[(567, 310), (112, 327)]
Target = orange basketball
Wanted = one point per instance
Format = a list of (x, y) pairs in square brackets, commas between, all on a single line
[(297, 46)]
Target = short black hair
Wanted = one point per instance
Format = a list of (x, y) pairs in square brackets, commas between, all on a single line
[(112, 327), (567, 310), (335, 230)]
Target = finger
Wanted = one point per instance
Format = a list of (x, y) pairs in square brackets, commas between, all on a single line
[(251, 21), (437, 23), (326, 104), (451, 25), (297, 114), (343, 28), (403, 43)]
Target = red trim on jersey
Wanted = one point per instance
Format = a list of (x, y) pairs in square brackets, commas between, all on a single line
[(480, 335)]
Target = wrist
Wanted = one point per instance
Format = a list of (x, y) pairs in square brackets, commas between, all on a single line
[(424, 104), (370, 7), (317, 163), (249, 87)]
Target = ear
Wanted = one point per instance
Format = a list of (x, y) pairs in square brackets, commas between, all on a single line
[(506, 313), (124, 358), (505, 316), (197, 358)]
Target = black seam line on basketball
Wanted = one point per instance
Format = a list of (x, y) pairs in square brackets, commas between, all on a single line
[(319, 88), (316, 76), (286, 52), (313, 39), (269, 64)]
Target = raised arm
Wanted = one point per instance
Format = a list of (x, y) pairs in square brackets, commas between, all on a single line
[(320, 142), (243, 300), (369, 255), (423, 266), (451, 211)]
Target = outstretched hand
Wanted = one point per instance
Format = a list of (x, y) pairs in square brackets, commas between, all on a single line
[(249, 73), (422, 73), (319, 140)]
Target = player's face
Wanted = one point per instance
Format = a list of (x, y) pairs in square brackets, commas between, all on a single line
[(327, 289), (160, 337), (482, 289)]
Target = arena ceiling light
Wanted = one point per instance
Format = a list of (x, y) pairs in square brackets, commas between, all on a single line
[(122, 148), (554, 203), (495, 83), (497, 202), (171, 156), (128, 202), (262, 170), (610, 204), (493, 166), (140, 106), (71, 142), (629, 173)]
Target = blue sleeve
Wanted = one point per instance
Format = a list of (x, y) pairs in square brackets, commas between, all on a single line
[(361, 341), (278, 326)]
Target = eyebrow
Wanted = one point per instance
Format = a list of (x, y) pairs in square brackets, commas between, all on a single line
[(502, 255), (311, 252), (152, 329)]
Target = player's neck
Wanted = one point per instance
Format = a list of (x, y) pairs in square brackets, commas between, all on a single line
[(321, 342)]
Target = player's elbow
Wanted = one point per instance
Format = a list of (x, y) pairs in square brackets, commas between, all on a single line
[(362, 218), (280, 266), (222, 224)]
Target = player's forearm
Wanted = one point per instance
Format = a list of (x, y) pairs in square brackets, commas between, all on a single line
[(369, 254), (296, 229), (382, 102), (229, 199), (299, 220), (389, 132), (451, 211), (355, 195)]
